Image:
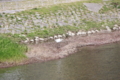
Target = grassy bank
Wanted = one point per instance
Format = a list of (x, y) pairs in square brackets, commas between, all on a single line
[(11, 51)]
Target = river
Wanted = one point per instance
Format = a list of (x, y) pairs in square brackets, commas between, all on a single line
[(91, 63)]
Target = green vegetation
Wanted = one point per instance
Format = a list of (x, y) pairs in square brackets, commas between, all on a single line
[(53, 8), (94, 1), (11, 51), (47, 32), (111, 5), (86, 26)]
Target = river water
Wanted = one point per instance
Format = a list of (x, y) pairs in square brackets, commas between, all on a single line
[(91, 63)]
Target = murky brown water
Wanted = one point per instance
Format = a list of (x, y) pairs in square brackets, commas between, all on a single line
[(91, 63)]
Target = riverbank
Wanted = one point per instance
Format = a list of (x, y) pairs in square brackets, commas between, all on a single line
[(75, 23), (52, 50)]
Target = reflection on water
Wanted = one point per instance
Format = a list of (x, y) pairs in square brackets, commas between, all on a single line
[(91, 63)]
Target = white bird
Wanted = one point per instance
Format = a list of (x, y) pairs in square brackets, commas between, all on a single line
[(108, 29), (55, 37), (32, 40), (27, 40), (58, 40), (59, 36), (36, 40), (41, 39)]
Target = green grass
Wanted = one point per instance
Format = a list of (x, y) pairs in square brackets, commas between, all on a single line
[(47, 32), (113, 5), (10, 50), (94, 1), (52, 8), (88, 25)]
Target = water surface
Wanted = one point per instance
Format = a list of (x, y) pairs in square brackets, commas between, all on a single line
[(91, 63)]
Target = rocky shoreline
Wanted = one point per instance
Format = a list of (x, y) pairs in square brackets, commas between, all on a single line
[(51, 50)]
